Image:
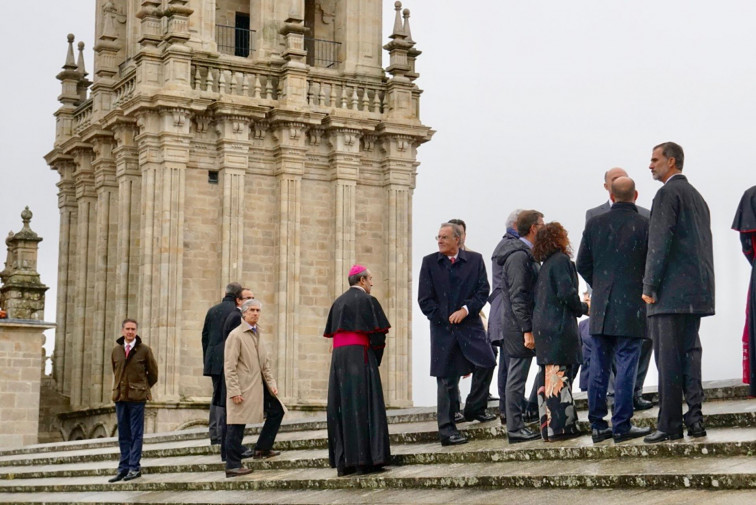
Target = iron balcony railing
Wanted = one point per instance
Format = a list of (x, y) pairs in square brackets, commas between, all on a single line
[(233, 40), (322, 53)]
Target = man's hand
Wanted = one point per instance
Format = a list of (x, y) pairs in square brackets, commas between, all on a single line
[(274, 391), (529, 340), (237, 399), (458, 316), (648, 299)]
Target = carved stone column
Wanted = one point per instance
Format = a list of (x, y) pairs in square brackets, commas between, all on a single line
[(163, 155), (399, 182), (290, 168), (105, 265), (233, 158), (66, 275), (86, 201)]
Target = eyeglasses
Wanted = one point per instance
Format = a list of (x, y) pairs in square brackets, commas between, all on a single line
[(442, 237)]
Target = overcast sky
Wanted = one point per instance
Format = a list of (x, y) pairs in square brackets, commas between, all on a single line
[(532, 102)]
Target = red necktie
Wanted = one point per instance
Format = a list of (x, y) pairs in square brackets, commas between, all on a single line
[(453, 259), (128, 349)]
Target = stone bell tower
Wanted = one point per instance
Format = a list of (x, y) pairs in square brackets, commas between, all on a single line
[(259, 141)]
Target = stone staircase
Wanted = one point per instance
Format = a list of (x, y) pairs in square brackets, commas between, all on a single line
[(182, 468)]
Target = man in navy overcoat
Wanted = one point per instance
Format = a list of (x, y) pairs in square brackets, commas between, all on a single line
[(453, 289)]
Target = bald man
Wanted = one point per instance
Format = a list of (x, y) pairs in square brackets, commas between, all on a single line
[(639, 403)]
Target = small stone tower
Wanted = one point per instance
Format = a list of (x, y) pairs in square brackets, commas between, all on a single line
[(259, 141)]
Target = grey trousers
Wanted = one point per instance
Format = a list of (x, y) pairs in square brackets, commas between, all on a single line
[(517, 375)]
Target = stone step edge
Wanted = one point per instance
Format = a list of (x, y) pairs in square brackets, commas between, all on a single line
[(713, 390), (711, 481), (476, 431), (530, 454)]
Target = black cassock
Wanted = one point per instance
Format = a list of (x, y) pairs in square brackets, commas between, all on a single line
[(745, 223), (357, 427)]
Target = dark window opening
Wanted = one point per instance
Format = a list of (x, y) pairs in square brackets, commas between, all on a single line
[(212, 176)]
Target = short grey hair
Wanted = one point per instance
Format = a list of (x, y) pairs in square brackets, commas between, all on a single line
[(456, 229), (250, 303), (512, 218)]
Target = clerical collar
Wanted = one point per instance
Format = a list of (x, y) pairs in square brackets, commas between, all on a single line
[(358, 287), (527, 242)]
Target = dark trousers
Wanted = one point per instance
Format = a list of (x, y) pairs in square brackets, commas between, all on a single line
[(217, 409), (447, 399), (234, 433), (517, 375), (502, 381), (624, 353), (477, 399), (130, 416), (647, 349), (677, 348)]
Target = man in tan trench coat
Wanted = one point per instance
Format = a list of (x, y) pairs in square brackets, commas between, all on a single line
[(251, 391)]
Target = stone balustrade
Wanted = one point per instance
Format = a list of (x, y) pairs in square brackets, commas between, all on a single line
[(125, 89), (210, 77), (334, 92), (82, 117)]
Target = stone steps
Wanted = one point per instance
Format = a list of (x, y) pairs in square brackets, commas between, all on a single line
[(184, 468)]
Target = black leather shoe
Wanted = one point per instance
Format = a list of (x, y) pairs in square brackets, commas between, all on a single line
[(343, 472), (119, 476), (265, 454), (661, 436), (640, 403), (601, 435), (633, 432), (530, 415), (522, 435), (459, 418), (133, 474), (697, 430), (249, 453), (503, 419), (483, 417), (236, 472), (455, 439), (368, 469)]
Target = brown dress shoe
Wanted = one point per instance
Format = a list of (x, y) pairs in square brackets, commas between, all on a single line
[(267, 453), (236, 472)]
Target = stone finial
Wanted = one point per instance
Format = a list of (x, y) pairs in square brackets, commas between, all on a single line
[(80, 62), (26, 216), (398, 32), (407, 31), (70, 62)]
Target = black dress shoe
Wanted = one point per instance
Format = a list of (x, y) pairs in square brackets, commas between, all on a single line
[(342, 472), (368, 469), (601, 435), (503, 419), (522, 435), (459, 418), (564, 436), (236, 472), (661, 436), (133, 474), (455, 439), (483, 417), (530, 415), (633, 432), (119, 476), (640, 403), (697, 430), (264, 454)]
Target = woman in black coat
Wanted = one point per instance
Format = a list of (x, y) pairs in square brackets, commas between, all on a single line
[(555, 329)]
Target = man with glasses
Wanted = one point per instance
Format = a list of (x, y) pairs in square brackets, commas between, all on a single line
[(452, 290)]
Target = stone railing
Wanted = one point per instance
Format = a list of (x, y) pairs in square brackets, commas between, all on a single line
[(125, 89), (343, 94), (210, 77), (82, 117)]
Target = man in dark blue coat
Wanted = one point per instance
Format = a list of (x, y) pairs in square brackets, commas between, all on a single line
[(612, 259), (212, 356), (452, 290), (678, 287)]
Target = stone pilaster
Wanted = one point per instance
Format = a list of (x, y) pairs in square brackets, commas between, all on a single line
[(177, 56), (66, 275), (399, 170), (232, 159), (86, 232), (294, 78), (105, 265), (289, 170), (345, 169), (163, 153), (128, 178)]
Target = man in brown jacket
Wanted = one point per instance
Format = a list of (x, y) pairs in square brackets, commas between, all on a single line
[(251, 391), (134, 373)]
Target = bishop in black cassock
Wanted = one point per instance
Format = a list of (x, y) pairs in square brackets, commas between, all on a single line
[(358, 439), (745, 223)]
